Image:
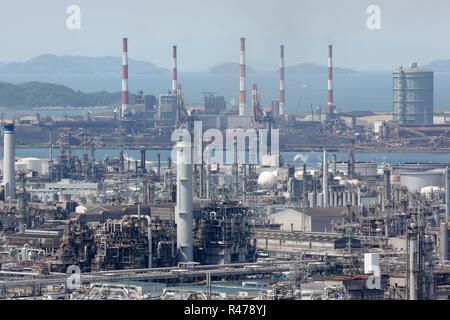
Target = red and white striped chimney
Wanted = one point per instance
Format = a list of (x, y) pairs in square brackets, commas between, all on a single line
[(330, 76), (174, 71), (242, 79), (124, 109), (281, 80)]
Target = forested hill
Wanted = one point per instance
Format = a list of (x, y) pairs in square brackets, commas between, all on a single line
[(38, 94)]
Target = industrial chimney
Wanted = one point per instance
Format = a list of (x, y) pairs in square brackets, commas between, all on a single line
[(9, 153), (281, 80), (124, 109), (183, 210), (330, 76), (242, 79), (174, 70)]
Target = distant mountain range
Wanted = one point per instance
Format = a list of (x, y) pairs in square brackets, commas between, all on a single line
[(302, 68), (310, 68), (52, 64), (230, 68), (36, 94)]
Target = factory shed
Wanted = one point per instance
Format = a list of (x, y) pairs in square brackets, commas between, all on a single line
[(101, 213), (43, 239), (308, 219), (289, 240)]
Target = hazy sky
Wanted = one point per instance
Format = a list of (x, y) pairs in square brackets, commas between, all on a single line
[(207, 32)]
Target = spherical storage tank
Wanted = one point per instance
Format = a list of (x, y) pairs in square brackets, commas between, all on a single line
[(266, 180), (415, 181)]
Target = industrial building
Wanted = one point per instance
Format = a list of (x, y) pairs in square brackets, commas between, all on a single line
[(309, 219), (413, 95)]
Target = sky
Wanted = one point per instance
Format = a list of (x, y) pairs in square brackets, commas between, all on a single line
[(207, 32)]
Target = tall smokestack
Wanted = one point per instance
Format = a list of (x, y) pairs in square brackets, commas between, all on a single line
[(330, 76), (124, 109), (9, 153), (325, 178), (281, 80), (254, 103), (242, 79), (174, 70), (178, 114), (183, 210)]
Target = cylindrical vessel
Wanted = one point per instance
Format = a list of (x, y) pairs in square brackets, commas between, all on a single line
[(413, 95), (325, 178), (412, 269), (184, 205), (9, 154)]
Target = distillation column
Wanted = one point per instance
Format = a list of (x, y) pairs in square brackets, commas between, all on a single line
[(9, 154), (325, 178), (183, 210)]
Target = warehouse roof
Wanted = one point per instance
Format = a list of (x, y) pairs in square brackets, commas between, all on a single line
[(325, 212)]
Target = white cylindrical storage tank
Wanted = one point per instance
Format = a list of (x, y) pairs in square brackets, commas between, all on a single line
[(9, 153), (432, 192), (364, 169), (33, 164), (415, 181)]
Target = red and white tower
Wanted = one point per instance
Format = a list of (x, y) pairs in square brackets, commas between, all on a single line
[(174, 70), (281, 80), (330, 78), (242, 79), (124, 109)]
